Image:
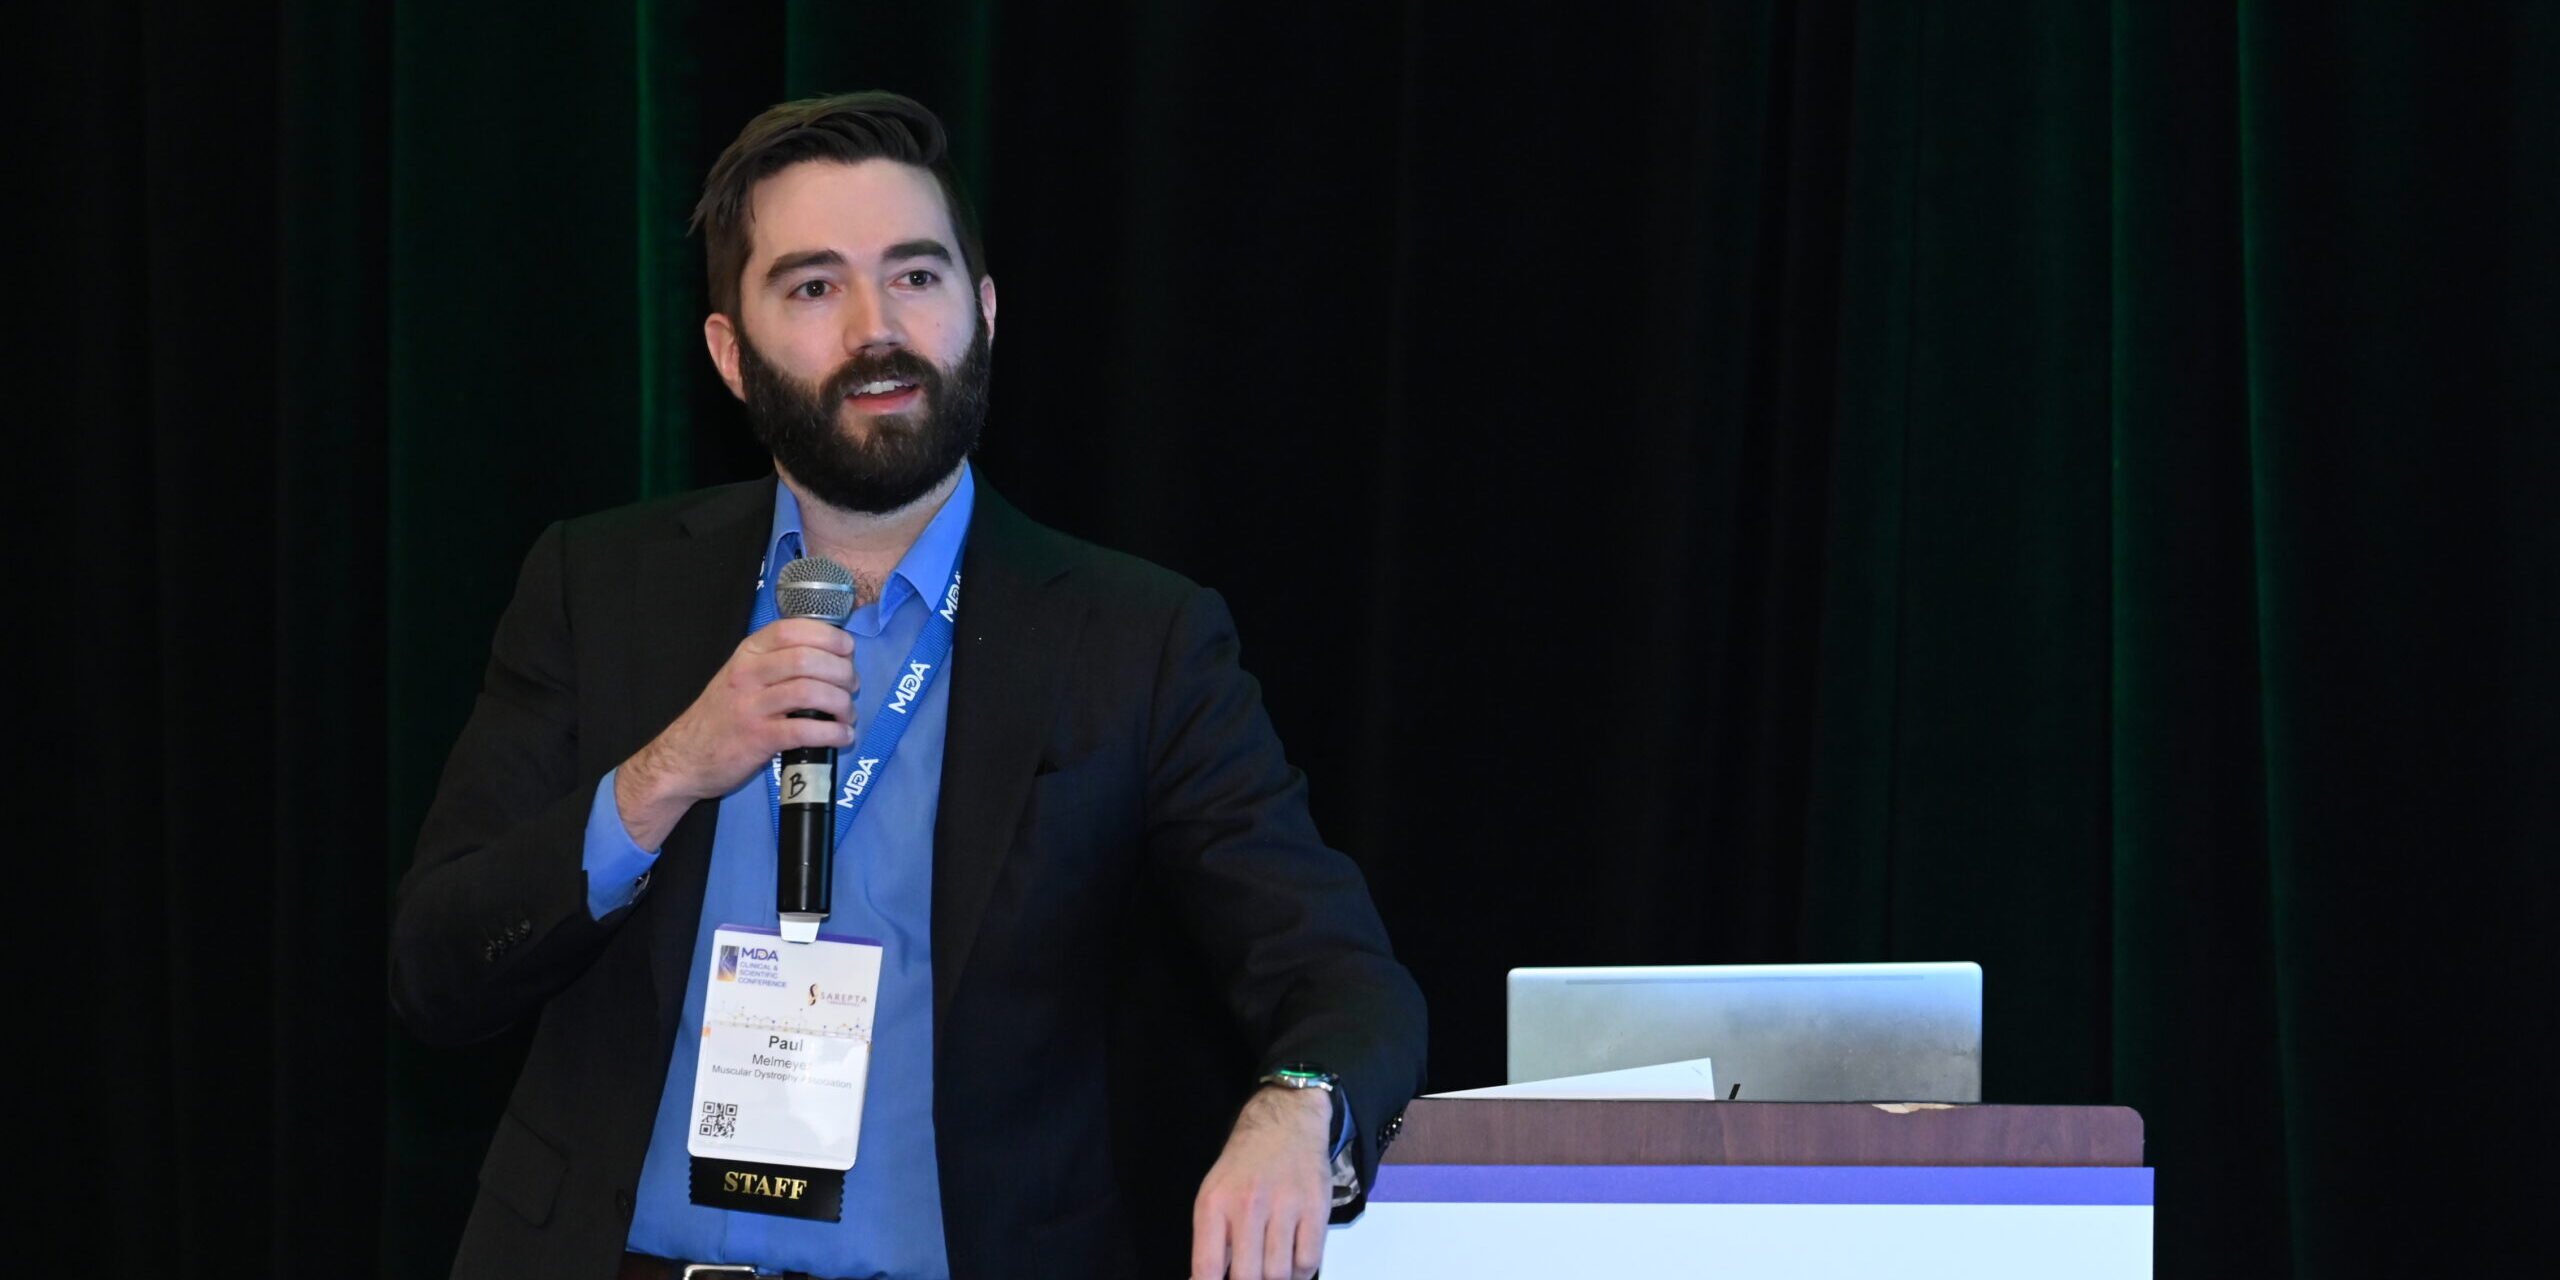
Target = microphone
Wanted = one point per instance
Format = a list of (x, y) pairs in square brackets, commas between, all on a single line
[(804, 855)]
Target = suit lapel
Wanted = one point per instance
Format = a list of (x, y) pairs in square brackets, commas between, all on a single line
[(691, 600), (1015, 633)]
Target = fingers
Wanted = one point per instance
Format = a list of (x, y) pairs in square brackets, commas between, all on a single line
[(800, 632), (1310, 1242), (772, 675), (1245, 1237), (1279, 1237), (754, 669), (1208, 1242), (1227, 1225), (793, 734), (802, 694), (1293, 1239)]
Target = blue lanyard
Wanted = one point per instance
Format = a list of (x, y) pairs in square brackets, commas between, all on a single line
[(925, 661)]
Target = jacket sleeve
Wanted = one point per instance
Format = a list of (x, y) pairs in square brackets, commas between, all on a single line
[(491, 919), (1286, 921)]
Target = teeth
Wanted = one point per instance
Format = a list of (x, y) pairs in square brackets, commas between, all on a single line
[(878, 388)]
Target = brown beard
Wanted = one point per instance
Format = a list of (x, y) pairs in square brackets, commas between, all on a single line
[(904, 455)]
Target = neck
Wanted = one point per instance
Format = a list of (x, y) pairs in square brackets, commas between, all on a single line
[(870, 543)]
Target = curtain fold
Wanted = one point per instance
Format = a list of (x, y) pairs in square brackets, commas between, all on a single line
[(2392, 413), (2192, 961)]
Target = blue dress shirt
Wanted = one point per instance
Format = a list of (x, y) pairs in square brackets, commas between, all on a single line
[(882, 888)]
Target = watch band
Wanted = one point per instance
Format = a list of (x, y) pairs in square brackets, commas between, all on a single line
[(1301, 1075), (1307, 1075)]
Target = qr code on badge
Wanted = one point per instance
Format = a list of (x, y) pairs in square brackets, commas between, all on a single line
[(719, 1119)]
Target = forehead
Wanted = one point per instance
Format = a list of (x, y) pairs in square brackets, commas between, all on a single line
[(855, 209)]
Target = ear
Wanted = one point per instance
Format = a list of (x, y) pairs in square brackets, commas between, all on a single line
[(722, 337), (987, 304)]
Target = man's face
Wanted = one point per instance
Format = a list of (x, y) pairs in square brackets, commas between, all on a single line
[(860, 350)]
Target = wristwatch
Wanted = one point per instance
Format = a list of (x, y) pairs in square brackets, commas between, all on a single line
[(1307, 1075)]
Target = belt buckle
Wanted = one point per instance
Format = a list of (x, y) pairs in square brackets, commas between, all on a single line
[(695, 1269)]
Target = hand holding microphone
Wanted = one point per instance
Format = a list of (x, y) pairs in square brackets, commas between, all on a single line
[(811, 587), (744, 717)]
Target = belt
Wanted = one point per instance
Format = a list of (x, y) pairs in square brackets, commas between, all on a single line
[(644, 1266)]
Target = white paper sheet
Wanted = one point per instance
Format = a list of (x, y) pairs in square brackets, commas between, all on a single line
[(1692, 1079)]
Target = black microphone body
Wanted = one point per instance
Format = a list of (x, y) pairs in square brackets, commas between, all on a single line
[(804, 851), (806, 848)]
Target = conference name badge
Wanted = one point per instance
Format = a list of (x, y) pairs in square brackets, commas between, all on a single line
[(777, 1087)]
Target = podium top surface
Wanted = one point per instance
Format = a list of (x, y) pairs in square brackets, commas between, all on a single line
[(1589, 1131)]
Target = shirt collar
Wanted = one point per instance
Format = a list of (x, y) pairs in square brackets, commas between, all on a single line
[(924, 571)]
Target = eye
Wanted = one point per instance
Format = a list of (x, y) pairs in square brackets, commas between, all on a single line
[(809, 289), (918, 279)]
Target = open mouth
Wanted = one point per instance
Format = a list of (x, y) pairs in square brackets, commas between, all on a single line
[(882, 395)]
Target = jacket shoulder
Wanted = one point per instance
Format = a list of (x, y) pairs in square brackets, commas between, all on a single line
[(1097, 573)]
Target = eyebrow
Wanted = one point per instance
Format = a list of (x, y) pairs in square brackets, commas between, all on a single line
[(790, 262), (905, 249)]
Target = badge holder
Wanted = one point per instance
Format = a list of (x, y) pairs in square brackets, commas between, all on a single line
[(777, 1088)]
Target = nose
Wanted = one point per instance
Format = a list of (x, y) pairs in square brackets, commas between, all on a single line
[(870, 321)]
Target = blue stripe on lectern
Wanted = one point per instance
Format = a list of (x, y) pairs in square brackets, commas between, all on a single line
[(1756, 1184)]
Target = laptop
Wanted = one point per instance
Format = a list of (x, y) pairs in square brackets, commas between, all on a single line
[(1896, 1032)]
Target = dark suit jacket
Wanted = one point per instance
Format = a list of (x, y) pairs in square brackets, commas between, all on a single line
[(1119, 839)]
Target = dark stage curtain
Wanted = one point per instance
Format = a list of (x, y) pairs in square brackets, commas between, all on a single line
[(2063, 486)]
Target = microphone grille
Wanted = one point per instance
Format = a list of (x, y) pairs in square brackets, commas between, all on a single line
[(814, 587)]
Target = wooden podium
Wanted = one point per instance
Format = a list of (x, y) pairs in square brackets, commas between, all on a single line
[(1500, 1187)]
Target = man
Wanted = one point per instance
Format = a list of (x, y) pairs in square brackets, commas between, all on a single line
[(1091, 787)]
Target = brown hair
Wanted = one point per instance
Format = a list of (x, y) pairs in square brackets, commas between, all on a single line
[(846, 129)]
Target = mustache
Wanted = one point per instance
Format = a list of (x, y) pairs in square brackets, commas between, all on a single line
[(901, 364)]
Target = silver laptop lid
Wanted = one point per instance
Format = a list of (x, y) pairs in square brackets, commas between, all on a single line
[(1902, 1032)]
